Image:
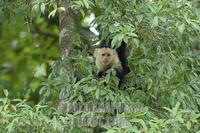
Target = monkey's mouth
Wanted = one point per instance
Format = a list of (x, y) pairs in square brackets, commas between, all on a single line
[(106, 63)]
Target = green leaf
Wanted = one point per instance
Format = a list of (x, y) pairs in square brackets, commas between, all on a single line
[(195, 26), (111, 131), (163, 19), (42, 7), (155, 21), (136, 42), (61, 9), (35, 7), (5, 92), (97, 93), (52, 13), (86, 3), (139, 18), (160, 71), (140, 121), (181, 28), (188, 125), (114, 41), (82, 12), (152, 9), (150, 84), (133, 34), (175, 109), (40, 70)]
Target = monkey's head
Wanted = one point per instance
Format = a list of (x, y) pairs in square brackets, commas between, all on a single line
[(104, 55)]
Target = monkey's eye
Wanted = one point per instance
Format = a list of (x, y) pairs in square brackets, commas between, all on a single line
[(108, 54), (103, 54)]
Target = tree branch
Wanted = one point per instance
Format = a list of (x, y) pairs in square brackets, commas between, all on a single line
[(39, 31)]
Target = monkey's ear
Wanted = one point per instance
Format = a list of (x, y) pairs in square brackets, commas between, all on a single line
[(96, 52)]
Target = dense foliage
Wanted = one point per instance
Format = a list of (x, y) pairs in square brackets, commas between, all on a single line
[(28, 45), (163, 86)]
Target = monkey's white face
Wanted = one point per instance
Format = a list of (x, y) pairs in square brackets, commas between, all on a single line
[(105, 56)]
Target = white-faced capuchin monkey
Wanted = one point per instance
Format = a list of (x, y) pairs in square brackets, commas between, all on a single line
[(105, 59)]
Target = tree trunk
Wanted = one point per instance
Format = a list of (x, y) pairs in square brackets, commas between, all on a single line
[(67, 28)]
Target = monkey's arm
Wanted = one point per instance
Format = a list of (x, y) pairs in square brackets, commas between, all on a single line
[(121, 51)]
